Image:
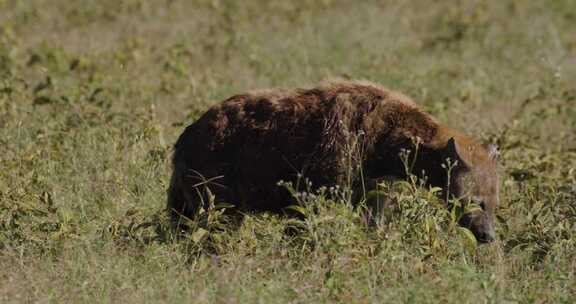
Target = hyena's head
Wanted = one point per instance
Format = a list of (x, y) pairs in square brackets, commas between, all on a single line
[(475, 179)]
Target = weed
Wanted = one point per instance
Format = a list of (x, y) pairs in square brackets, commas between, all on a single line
[(93, 94)]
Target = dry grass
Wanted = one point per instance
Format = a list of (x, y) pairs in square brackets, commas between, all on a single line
[(93, 94)]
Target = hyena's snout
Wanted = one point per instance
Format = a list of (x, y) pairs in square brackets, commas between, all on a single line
[(481, 224)]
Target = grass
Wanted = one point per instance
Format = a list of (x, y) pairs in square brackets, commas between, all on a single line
[(94, 93)]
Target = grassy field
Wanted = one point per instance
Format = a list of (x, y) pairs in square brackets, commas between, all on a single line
[(94, 93)]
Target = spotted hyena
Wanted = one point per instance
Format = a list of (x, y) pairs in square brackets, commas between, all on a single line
[(242, 147)]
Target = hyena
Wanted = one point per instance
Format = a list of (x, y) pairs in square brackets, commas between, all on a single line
[(242, 147)]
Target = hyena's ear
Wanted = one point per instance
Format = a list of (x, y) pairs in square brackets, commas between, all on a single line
[(451, 151), (493, 151)]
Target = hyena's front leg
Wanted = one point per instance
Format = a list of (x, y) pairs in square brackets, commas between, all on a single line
[(376, 196)]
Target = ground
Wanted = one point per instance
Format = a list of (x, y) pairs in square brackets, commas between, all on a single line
[(94, 93)]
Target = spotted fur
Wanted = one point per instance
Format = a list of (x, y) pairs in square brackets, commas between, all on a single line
[(242, 147)]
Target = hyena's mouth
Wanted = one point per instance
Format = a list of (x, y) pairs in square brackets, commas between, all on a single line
[(480, 227)]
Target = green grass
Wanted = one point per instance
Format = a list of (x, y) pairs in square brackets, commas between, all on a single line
[(94, 93)]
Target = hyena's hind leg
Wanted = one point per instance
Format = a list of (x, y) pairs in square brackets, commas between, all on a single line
[(192, 190), (177, 203), (179, 206)]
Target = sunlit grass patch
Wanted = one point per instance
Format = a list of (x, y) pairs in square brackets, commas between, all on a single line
[(92, 96)]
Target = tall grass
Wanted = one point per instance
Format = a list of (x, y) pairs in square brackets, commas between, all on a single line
[(93, 94)]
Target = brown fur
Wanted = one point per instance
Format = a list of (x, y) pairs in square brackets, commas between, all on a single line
[(242, 147)]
